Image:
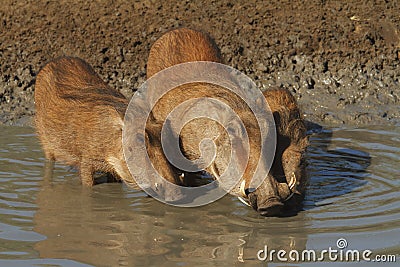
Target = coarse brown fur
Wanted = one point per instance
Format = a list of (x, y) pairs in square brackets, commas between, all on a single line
[(79, 119), (179, 46), (185, 45)]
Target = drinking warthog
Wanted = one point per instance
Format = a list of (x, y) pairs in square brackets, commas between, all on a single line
[(284, 183), (79, 120)]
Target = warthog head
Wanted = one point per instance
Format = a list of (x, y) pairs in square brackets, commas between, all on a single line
[(283, 183), (234, 150), (222, 146)]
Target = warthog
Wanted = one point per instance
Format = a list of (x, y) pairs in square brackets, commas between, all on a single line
[(79, 120), (284, 183)]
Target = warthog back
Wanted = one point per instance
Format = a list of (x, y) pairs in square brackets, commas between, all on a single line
[(79, 119)]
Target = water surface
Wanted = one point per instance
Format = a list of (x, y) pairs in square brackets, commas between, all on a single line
[(48, 219)]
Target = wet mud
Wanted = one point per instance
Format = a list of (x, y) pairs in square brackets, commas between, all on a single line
[(341, 60)]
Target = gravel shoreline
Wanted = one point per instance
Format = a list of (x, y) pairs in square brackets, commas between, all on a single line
[(341, 60)]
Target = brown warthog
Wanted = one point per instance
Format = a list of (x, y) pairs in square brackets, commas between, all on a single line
[(79, 120), (283, 185)]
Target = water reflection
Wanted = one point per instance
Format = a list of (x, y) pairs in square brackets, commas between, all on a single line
[(111, 225), (47, 217)]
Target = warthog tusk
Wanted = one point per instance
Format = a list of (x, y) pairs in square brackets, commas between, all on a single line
[(242, 189), (242, 185), (244, 201), (292, 181), (289, 197), (292, 185), (214, 171), (243, 192)]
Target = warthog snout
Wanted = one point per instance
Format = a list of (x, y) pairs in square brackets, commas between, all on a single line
[(270, 197), (285, 181)]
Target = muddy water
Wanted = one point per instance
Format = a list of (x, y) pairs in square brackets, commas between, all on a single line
[(46, 217)]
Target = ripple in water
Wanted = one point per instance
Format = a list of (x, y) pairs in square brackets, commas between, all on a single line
[(354, 187), (352, 194)]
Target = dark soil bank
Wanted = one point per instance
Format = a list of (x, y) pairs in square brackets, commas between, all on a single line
[(340, 59)]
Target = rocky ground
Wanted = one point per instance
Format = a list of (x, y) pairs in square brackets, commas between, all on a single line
[(340, 58)]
